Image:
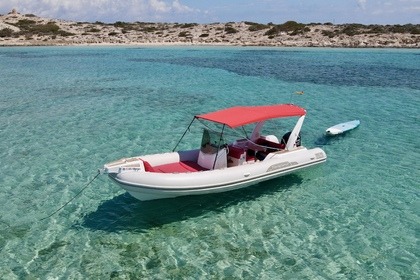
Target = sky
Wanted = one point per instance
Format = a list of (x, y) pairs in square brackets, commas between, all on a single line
[(211, 11)]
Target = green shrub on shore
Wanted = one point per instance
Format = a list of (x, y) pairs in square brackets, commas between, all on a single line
[(184, 34), (187, 25), (6, 32), (358, 29), (230, 30), (48, 28), (25, 23), (328, 33), (93, 30), (352, 29), (407, 28), (289, 27), (28, 28), (122, 24), (65, 33), (253, 26)]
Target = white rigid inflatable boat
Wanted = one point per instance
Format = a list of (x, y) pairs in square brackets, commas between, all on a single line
[(219, 166)]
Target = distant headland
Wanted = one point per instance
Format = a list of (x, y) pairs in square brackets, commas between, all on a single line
[(30, 30)]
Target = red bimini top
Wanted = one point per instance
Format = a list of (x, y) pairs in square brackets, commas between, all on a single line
[(243, 115)]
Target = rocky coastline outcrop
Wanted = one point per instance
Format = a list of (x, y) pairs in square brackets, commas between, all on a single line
[(29, 30)]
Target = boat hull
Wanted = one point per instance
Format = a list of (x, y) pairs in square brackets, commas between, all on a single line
[(149, 185)]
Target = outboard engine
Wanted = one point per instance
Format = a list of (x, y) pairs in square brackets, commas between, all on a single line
[(286, 137)]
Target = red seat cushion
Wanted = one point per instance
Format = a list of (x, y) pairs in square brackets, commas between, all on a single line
[(148, 167), (235, 152), (269, 144), (179, 167)]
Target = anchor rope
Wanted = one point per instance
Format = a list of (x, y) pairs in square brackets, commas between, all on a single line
[(65, 204)]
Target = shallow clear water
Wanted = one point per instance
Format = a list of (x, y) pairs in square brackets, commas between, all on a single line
[(66, 111)]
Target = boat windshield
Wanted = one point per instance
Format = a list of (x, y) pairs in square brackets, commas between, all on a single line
[(211, 141)]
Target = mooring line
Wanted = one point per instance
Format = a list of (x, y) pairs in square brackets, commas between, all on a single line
[(65, 204)]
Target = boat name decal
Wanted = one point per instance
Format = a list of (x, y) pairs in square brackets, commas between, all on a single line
[(129, 169), (280, 165)]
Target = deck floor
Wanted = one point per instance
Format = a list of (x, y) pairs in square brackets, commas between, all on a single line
[(178, 167)]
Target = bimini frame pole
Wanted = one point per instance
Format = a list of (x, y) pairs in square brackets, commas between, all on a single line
[(218, 146), (185, 132), (291, 143)]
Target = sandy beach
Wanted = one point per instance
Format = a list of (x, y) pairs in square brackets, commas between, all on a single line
[(29, 30)]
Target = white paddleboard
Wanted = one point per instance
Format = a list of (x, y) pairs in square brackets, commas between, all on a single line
[(342, 127)]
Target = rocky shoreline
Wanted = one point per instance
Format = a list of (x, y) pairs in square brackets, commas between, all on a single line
[(29, 30)]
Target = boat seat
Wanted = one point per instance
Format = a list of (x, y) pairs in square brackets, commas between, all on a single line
[(148, 167), (268, 144), (236, 156), (270, 147), (250, 155), (235, 152)]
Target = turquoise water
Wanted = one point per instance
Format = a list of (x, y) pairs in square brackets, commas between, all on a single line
[(66, 111)]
